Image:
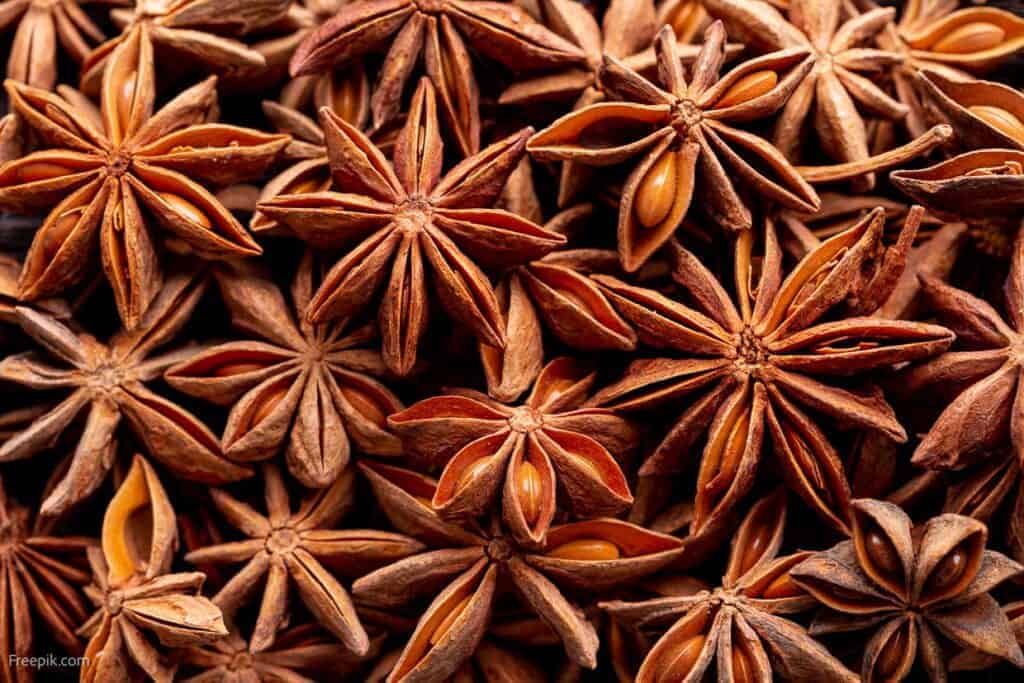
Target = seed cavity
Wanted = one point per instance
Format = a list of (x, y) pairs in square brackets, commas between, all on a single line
[(976, 36), (751, 86), (586, 549)]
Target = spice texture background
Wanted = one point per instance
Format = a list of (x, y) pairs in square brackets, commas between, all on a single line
[(512, 341)]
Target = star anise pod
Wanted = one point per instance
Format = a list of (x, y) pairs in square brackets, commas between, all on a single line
[(41, 28), (135, 593), (737, 627), (771, 360), (440, 32), (984, 113), (193, 32), (974, 660), (528, 452), (106, 383), (915, 586), (286, 547), (490, 663), (99, 170), (410, 219), (10, 273), (838, 82), (310, 386), (467, 568), (687, 141), (300, 654), (41, 578)]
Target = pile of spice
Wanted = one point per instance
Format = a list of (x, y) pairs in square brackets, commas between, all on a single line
[(523, 341)]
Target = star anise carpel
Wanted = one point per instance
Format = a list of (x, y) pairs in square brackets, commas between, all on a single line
[(692, 155), (770, 359), (739, 628), (311, 389), (529, 453), (916, 587), (137, 598), (117, 180), (105, 384), (404, 220)]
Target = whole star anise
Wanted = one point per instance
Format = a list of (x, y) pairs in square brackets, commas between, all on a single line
[(436, 31), (136, 594), (99, 170), (311, 386), (916, 586), (106, 383), (687, 140), (528, 452), (408, 219), (771, 360), (737, 626), (286, 547), (41, 577), (466, 569)]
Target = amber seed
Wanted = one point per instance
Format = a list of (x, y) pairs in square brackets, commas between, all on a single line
[(529, 491), (742, 666), (948, 571), (588, 549), (37, 171), (891, 656), (186, 209), (365, 405), (449, 619), (882, 553), (471, 473), (679, 660), (1001, 120), (657, 191), (973, 37), (58, 233), (236, 368), (265, 404), (747, 88), (782, 587)]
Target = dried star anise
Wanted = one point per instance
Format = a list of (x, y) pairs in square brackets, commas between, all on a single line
[(411, 219), (468, 568), (917, 586), (984, 114), (105, 383), (136, 594), (758, 364), (296, 547), (41, 578), (685, 135), (527, 452), (100, 169), (736, 627), (438, 32), (310, 386)]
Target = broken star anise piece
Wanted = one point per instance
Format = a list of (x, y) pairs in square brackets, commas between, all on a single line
[(737, 627), (106, 383), (41, 577), (762, 363), (527, 452), (438, 32), (310, 386), (466, 569), (692, 155), (111, 178), (299, 548), (915, 587), (137, 598), (408, 219)]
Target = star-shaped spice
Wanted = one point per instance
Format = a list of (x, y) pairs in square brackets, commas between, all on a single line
[(301, 548), (41, 578), (439, 31), (692, 154), (527, 452), (310, 386), (113, 177), (137, 598), (772, 360), (407, 219), (915, 586), (738, 625), (466, 569), (106, 383), (42, 27), (984, 113)]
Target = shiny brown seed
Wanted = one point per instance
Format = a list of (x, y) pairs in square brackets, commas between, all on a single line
[(1001, 120), (265, 404), (891, 655), (471, 473), (126, 97), (782, 587), (305, 185), (747, 88), (589, 549), (948, 571), (973, 37), (529, 491), (882, 553), (756, 542), (365, 405), (186, 209), (678, 661), (38, 171), (682, 19), (657, 191), (236, 368), (345, 100), (449, 619), (58, 233)]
